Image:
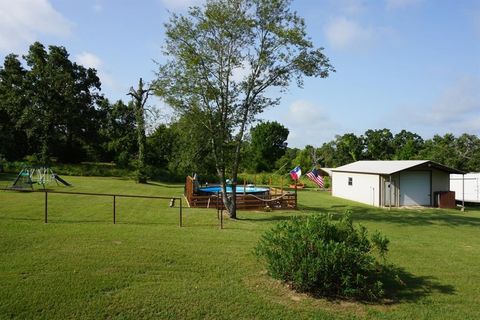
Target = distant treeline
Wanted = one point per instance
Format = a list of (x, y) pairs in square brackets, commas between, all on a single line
[(461, 152), (52, 110)]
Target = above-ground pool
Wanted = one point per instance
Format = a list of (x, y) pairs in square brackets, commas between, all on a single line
[(240, 189)]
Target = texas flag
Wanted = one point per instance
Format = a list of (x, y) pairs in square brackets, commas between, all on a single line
[(296, 173)]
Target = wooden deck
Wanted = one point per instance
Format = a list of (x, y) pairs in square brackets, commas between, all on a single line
[(275, 199)]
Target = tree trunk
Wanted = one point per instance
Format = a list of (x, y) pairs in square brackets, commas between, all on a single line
[(140, 97), (141, 139)]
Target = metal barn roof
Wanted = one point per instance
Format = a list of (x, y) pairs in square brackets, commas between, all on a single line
[(388, 167)]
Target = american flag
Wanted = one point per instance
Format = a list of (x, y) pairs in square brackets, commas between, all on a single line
[(315, 177)]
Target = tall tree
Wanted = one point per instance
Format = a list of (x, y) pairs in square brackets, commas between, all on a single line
[(222, 59), (14, 143), (191, 152), (140, 97), (378, 144), (52, 101), (467, 148), (440, 149), (307, 158), (349, 148), (268, 144), (118, 132), (407, 145)]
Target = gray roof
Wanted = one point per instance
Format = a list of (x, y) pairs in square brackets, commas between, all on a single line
[(387, 167)]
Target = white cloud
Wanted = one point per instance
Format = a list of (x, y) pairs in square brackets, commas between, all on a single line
[(456, 109), (180, 4), (89, 60), (401, 4), (457, 104), (97, 8), (351, 7), (343, 33), (22, 21), (308, 124)]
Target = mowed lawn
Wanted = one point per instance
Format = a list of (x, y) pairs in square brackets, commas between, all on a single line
[(81, 266)]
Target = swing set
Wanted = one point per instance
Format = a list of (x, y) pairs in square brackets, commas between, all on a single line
[(29, 176)]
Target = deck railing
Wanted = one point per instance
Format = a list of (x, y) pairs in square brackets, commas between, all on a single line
[(275, 199)]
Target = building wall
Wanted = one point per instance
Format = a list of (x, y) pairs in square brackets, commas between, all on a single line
[(440, 181), (364, 188)]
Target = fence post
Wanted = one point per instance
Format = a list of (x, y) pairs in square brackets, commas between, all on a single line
[(296, 194), (114, 211), (218, 209), (46, 206), (221, 218), (180, 212)]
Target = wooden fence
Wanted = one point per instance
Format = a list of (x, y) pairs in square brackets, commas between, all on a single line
[(274, 199)]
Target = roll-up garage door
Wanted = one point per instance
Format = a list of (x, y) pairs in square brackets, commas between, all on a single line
[(415, 188)]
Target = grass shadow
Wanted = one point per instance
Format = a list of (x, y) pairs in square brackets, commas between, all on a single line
[(164, 185), (402, 216), (268, 218), (402, 286)]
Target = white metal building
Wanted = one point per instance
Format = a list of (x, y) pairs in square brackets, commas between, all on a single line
[(391, 183), (466, 187)]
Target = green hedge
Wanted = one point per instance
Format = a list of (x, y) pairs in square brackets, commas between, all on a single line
[(318, 255)]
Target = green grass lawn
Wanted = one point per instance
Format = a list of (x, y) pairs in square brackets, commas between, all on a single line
[(81, 266)]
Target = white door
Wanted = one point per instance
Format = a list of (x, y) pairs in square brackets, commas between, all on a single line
[(415, 188), (389, 194)]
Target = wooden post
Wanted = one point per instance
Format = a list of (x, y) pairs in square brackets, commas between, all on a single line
[(281, 186), (181, 213), (114, 210), (296, 194), (221, 218), (255, 180), (46, 206), (218, 207)]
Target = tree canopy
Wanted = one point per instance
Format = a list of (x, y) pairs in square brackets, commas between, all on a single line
[(268, 143), (222, 59), (52, 102)]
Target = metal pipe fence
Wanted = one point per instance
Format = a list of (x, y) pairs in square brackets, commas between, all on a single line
[(114, 197)]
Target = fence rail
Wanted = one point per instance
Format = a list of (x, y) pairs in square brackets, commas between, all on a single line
[(114, 197)]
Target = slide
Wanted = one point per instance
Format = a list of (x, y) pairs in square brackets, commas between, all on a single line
[(61, 180)]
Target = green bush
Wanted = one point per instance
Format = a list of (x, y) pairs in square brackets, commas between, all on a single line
[(318, 255)]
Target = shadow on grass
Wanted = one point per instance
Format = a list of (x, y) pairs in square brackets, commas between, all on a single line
[(399, 286), (402, 286), (21, 219), (266, 218), (401, 216), (164, 185)]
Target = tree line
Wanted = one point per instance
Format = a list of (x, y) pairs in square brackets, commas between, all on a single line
[(460, 152), (52, 109)]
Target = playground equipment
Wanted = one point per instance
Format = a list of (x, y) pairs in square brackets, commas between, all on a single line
[(29, 176)]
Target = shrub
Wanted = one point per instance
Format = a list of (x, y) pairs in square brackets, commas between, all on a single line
[(318, 255)]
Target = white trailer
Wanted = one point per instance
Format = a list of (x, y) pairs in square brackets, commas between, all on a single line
[(466, 186)]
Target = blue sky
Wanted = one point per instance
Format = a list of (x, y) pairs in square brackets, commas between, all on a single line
[(401, 64)]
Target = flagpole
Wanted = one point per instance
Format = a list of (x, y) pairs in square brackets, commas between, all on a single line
[(296, 195)]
